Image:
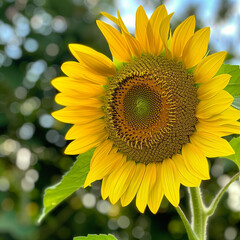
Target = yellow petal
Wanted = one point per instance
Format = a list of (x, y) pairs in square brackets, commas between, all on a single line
[(231, 113), (76, 49), (75, 88), (164, 32), (111, 17), (158, 15), (111, 175), (144, 189), (226, 117), (82, 74), (181, 35), (196, 48), (211, 145), (156, 194), (78, 115), (117, 21), (121, 23), (120, 181), (187, 178), (78, 131), (217, 129), (141, 28), (155, 21), (104, 190), (101, 151), (164, 29), (133, 185), (215, 105), (150, 39), (100, 170), (195, 161), (170, 182), (208, 67), (84, 144), (133, 45), (96, 62), (116, 42), (68, 100), (212, 87)]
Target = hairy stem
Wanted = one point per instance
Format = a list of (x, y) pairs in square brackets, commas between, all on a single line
[(190, 233), (199, 217), (211, 209), (200, 213)]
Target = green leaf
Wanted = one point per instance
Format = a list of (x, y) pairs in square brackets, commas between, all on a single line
[(236, 103), (96, 237), (235, 143), (233, 86), (71, 181)]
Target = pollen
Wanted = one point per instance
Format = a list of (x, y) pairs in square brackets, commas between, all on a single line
[(150, 108)]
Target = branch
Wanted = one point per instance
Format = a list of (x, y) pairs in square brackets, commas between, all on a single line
[(211, 209)]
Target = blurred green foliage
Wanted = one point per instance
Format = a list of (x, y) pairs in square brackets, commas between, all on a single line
[(34, 38)]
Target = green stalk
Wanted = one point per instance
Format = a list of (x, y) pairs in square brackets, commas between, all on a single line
[(200, 213), (191, 234), (211, 209), (199, 218)]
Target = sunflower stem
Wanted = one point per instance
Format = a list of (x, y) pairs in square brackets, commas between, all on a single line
[(191, 234), (211, 209), (199, 217)]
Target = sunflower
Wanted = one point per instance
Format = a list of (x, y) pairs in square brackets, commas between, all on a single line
[(154, 113)]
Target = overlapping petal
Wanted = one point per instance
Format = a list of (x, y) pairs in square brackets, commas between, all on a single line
[(218, 129), (73, 87), (164, 31), (225, 117), (181, 35), (208, 67), (101, 151), (196, 48), (116, 42), (215, 105), (81, 74), (93, 60), (156, 194), (195, 160), (68, 100), (83, 144), (133, 44), (133, 187), (78, 114), (141, 28), (155, 22), (104, 167), (170, 181), (211, 88), (82, 130), (121, 180), (147, 183), (211, 144), (186, 177)]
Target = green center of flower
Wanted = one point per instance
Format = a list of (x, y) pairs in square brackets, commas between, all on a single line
[(140, 103), (150, 109), (142, 107)]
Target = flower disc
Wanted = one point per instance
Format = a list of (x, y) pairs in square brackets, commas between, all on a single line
[(150, 108)]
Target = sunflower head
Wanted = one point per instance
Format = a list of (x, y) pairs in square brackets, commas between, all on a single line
[(153, 122)]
